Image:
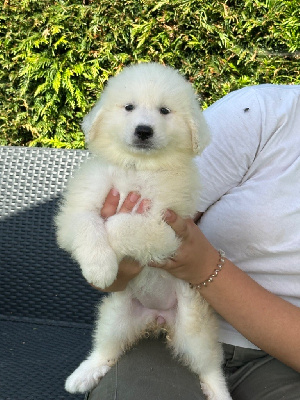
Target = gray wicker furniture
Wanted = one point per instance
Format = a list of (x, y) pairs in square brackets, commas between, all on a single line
[(46, 307)]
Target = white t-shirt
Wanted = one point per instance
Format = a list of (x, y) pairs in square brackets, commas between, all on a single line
[(251, 188)]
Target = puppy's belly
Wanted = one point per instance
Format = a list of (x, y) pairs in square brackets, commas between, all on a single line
[(158, 316), (161, 303)]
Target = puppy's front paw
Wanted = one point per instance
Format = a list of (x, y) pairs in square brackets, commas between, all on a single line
[(101, 272), (100, 277), (85, 377)]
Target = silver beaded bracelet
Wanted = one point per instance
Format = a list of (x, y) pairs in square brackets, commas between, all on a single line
[(220, 265)]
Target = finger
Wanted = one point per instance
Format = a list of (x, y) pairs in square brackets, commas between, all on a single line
[(110, 204), (197, 217), (130, 201), (144, 206), (167, 264), (178, 224)]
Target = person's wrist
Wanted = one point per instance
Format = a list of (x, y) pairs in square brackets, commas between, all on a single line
[(209, 264)]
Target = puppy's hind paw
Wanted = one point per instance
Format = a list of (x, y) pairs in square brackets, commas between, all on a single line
[(85, 377), (213, 395)]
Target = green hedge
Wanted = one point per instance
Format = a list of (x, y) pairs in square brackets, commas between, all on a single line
[(56, 55)]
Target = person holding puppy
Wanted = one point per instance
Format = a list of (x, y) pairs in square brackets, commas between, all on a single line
[(249, 208)]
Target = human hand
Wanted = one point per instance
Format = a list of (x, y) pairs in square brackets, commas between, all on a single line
[(196, 258), (112, 200), (128, 267)]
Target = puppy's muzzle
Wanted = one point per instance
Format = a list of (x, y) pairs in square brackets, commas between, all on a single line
[(143, 135), (143, 132)]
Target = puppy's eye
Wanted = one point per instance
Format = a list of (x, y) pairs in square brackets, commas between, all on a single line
[(129, 107), (164, 110)]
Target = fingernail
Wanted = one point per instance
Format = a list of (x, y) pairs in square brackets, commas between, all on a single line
[(134, 197), (114, 192), (146, 205), (167, 214)]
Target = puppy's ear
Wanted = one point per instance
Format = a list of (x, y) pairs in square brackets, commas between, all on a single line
[(199, 130), (89, 120)]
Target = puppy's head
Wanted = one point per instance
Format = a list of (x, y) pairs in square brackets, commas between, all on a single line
[(147, 112)]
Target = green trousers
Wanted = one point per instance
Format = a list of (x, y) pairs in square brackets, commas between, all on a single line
[(149, 372)]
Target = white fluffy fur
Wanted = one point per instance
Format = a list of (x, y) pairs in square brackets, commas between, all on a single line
[(165, 173)]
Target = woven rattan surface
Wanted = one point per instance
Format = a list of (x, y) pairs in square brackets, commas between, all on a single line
[(36, 359), (37, 278), (46, 307)]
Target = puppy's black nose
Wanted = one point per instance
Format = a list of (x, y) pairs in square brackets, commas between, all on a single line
[(143, 132)]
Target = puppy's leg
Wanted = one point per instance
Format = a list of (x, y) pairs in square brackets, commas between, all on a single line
[(118, 326), (142, 237), (83, 234), (195, 340)]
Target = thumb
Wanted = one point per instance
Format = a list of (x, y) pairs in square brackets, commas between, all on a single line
[(178, 224)]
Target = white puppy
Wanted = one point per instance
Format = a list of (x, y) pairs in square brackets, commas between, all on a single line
[(144, 133)]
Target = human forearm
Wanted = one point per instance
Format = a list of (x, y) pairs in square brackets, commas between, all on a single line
[(266, 320)]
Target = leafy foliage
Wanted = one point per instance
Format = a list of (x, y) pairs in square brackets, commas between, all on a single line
[(57, 55)]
